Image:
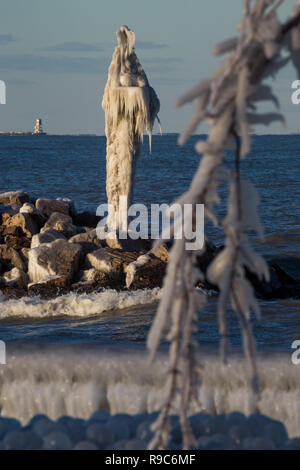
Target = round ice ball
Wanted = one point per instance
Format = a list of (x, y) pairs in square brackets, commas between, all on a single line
[(100, 434), (85, 445), (57, 441)]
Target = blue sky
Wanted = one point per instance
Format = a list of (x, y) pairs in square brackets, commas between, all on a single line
[(54, 57)]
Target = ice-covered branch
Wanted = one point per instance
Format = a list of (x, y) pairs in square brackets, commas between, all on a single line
[(228, 100)]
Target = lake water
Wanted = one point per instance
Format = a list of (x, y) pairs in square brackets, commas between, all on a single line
[(74, 167)]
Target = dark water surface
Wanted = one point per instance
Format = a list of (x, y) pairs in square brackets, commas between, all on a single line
[(74, 166)]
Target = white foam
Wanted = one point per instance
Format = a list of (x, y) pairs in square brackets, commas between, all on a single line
[(76, 305)]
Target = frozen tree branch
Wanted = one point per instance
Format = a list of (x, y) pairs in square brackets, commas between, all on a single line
[(224, 99)]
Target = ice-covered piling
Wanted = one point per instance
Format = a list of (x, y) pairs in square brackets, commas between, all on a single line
[(131, 106)]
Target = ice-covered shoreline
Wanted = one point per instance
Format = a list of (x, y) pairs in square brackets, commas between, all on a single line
[(78, 380)]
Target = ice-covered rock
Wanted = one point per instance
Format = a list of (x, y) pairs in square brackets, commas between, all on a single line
[(62, 223), (47, 236), (110, 261), (51, 259), (16, 278)]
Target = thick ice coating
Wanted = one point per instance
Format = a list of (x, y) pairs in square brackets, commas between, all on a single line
[(130, 105)]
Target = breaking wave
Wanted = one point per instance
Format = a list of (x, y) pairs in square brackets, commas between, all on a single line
[(76, 305)]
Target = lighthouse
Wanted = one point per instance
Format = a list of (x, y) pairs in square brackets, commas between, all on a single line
[(38, 129)]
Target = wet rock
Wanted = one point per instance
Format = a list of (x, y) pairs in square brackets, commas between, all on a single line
[(84, 287), (86, 219), (56, 258), (10, 258), (14, 197), (62, 223), (145, 272), (47, 236), (16, 278), (25, 222), (48, 206), (87, 240), (284, 279), (49, 286)]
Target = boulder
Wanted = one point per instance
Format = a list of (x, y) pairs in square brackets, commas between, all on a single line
[(17, 242), (146, 272), (6, 212), (25, 222), (14, 197), (62, 223), (49, 287), (86, 219), (70, 202), (87, 240), (47, 236), (110, 261), (10, 258), (58, 258), (48, 206), (35, 214), (16, 278), (284, 280)]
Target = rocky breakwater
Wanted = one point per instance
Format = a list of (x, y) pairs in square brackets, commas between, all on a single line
[(48, 249)]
